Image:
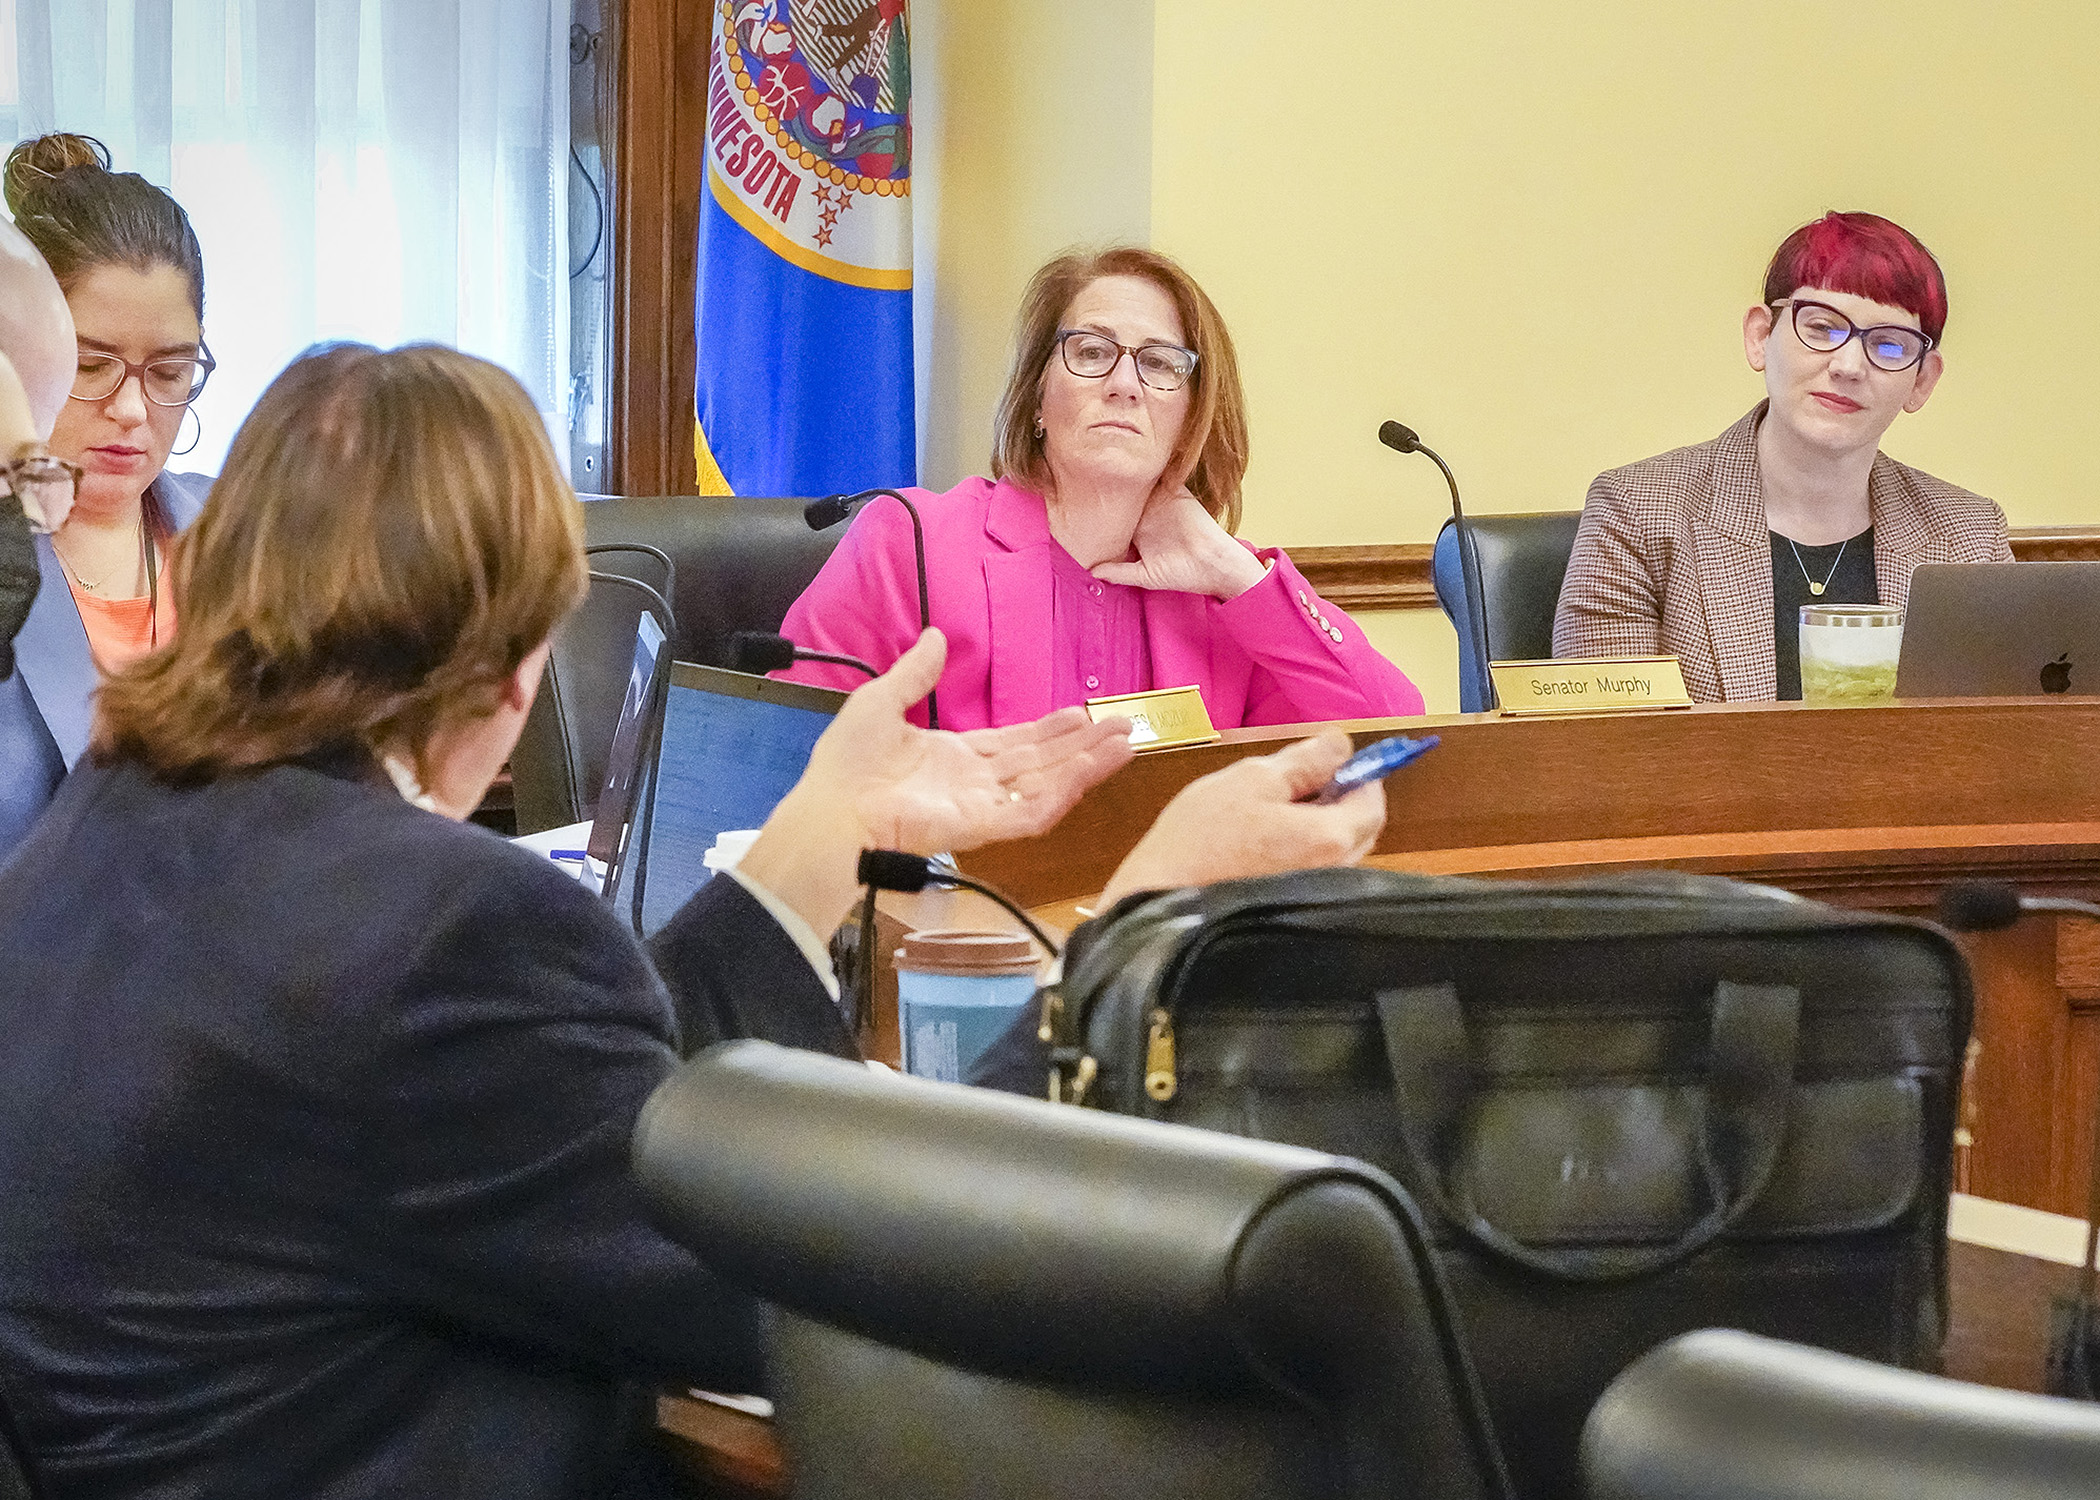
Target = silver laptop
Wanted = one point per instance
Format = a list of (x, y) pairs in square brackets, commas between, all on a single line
[(2001, 630)]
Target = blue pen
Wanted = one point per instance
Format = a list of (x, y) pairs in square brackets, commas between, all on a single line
[(1374, 763)]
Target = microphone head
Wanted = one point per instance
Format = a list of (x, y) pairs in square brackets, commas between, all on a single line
[(888, 870), (1979, 906), (758, 653), (18, 578), (1398, 437), (823, 514)]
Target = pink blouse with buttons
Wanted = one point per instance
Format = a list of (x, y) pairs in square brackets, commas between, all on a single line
[(1097, 635)]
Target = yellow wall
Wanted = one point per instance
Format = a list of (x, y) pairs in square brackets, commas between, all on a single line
[(1529, 228), (1033, 130)]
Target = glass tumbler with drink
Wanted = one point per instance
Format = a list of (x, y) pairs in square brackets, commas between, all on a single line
[(1849, 652)]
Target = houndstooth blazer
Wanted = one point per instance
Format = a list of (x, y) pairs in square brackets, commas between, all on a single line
[(1673, 555)]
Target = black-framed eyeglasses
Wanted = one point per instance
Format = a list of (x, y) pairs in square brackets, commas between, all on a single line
[(45, 483), (166, 382), (1888, 346), (1090, 356)]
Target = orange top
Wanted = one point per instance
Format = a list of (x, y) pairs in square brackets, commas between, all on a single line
[(118, 630)]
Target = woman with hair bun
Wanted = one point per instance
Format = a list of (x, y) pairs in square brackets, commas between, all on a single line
[(133, 275)]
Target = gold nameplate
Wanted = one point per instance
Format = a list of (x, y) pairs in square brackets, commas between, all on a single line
[(1160, 719), (1589, 685)]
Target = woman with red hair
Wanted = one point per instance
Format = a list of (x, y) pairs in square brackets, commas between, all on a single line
[(1709, 552)]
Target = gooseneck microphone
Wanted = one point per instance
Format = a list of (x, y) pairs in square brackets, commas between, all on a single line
[(1989, 905), (1403, 439), (832, 509), (891, 870), (826, 513), (19, 578), (758, 653)]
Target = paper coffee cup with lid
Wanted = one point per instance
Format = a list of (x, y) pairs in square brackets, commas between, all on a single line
[(957, 990)]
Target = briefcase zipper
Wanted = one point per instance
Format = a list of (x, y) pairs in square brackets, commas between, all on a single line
[(1071, 1071), (1160, 1082)]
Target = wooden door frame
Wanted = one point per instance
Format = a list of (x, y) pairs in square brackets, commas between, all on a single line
[(659, 135)]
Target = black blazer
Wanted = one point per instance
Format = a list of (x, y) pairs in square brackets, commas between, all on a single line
[(314, 1113)]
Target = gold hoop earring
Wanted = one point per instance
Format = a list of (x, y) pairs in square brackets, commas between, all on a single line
[(190, 412)]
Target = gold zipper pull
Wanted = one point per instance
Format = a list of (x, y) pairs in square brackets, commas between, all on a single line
[(1160, 1082), (1053, 1016)]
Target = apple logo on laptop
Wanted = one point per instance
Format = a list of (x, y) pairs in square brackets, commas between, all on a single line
[(2056, 676)]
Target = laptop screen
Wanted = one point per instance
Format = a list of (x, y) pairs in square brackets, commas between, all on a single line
[(623, 762), (733, 745)]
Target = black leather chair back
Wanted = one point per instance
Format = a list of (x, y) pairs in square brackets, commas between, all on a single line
[(1522, 561), (558, 766), (740, 560), (980, 1294), (1727, 1414)]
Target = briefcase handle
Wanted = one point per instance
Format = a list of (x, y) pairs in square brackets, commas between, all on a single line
[(1749, 1085)]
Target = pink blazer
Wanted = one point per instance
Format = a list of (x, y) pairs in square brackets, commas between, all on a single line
[(1277, 654)]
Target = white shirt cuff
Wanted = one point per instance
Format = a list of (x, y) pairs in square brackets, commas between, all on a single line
[(799, 932)]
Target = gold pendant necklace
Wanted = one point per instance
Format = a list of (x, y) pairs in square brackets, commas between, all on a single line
[(99, 584), (1814, 588)]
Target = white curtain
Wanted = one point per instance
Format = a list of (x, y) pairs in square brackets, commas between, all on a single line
[(379, 170)]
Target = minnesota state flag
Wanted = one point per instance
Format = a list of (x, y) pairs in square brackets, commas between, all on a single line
[(804, 305)]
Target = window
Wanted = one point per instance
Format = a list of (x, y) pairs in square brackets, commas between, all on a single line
[(355, 169)]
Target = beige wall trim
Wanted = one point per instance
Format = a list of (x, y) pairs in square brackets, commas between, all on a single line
[(1397, 576)]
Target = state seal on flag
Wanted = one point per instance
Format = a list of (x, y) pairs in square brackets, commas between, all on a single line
[(809, 132)]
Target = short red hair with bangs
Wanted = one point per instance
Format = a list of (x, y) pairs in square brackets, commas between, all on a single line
[(1868, 256)]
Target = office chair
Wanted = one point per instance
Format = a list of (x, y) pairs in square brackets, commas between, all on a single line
[(1522, 561), (977, 1294), (1726, 1414), (739, 560), (558, 766)]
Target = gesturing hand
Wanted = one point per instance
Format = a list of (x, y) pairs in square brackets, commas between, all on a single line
[(925, 790), (1247, 820), (1180, 547), (876, 781)]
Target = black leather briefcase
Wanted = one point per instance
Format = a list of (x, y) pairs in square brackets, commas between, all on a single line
[(1629, 1107)]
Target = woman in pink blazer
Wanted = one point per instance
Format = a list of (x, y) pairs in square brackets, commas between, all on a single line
[(1100, 559)]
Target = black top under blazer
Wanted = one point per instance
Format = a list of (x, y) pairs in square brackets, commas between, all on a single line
[(314, 1118)]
